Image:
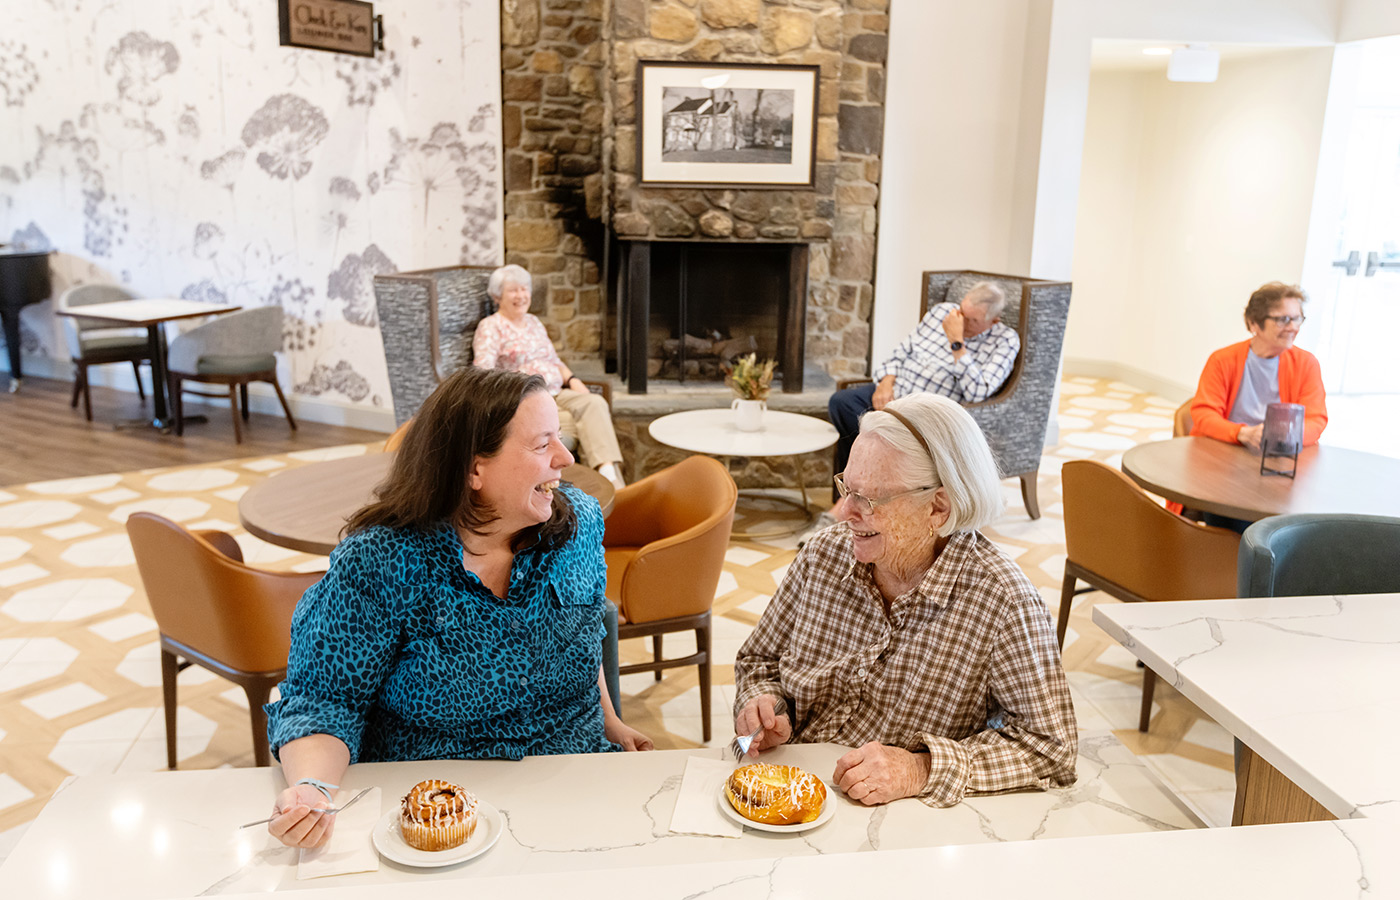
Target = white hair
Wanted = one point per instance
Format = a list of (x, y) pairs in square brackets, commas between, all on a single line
[(960, 460), (511, 274), (988, 296)]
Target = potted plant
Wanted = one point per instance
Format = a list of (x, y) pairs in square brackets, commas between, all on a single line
[(750, 380)]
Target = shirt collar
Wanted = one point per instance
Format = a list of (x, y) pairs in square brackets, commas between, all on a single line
[(936, 587)]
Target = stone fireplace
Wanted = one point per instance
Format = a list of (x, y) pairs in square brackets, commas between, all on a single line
[(575, 213), (686, 309)]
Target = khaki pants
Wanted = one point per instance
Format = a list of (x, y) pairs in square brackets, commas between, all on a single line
[(586, 416)]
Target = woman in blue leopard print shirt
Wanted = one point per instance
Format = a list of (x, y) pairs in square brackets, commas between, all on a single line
[(462, 616)]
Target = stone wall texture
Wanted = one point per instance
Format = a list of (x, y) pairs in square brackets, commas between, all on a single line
[(569, 77)]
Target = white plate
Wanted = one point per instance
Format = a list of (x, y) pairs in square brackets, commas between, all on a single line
[(388, 840), (828, 810)]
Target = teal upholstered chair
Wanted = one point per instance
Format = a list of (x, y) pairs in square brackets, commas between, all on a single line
[(1319, 554), (232, 350), (1306, 555)]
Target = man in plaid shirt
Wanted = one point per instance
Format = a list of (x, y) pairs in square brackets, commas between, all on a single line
[(959, 350)]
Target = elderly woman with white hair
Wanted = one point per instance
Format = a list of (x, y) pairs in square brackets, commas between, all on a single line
[(905, 633), (512, 338)]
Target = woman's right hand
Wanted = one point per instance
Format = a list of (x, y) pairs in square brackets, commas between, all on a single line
[(295, 823), (777, 728)]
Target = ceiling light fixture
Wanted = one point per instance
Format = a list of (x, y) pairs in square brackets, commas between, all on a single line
[(1194, 63)]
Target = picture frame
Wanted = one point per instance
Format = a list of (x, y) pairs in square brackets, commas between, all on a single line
[(736, 125)]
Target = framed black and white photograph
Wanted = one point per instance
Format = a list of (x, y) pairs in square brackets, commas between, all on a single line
[(726, 124)]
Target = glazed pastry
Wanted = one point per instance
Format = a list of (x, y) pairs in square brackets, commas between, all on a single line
[(437, 815), (775, 795)]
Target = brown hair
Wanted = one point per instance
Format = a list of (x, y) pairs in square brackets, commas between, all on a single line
[(1262, 302), (465, 418)]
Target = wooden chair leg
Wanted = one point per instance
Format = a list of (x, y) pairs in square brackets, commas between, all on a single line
[(1028, 495), (1066, 600), (77, 385), (258, 693), (87, 390), (140, 389), (1149, 682), (169, 669), (243, 393), (177, 402), (233, 406), (283, 400), (702, 641), (656, 653)]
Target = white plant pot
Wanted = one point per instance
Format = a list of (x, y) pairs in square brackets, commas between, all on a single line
[(748, 414)]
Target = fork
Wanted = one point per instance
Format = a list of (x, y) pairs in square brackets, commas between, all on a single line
[(348, 804), (741, 743)]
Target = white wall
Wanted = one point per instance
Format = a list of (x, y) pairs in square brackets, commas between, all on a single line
[(956, 162), (174, 146), (1361, 19), (985, 117), (1191, 196)]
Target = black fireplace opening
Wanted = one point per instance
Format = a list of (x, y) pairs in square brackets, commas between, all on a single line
[(687, 309)]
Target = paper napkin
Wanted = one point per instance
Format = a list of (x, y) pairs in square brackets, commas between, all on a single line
[(697, 806), (350, 848)]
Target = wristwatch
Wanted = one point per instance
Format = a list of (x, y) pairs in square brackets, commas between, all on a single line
[(955, 346)]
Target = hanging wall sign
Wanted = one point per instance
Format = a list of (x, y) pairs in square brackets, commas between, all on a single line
[(340, 26)]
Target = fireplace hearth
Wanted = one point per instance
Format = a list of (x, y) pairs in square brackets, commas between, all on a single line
[(685, 309)]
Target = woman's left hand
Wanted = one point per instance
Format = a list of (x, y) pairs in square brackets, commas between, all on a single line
[(875, 774), (629, 738)]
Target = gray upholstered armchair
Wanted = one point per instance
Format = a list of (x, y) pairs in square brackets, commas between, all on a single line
[(232, 350), (1015, 418), (427, 320)]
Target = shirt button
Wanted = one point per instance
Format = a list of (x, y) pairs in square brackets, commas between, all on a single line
[(861, 673), (516, 625), (524, 681)]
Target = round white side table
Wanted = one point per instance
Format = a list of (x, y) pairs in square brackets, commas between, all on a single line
[(712, 432)]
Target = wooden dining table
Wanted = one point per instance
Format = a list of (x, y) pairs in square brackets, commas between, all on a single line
[(305, 508), (151, 313), (1212, 476)]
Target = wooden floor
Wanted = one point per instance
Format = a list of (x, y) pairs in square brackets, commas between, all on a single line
[(41, 438)]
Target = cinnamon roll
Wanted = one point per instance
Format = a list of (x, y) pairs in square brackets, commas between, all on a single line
[(775, 795), (437, 815)]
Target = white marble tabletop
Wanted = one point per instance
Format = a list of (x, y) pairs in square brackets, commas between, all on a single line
[(1309, 683), (712, 431), (148, 311), (1312, 861), (175, 834)]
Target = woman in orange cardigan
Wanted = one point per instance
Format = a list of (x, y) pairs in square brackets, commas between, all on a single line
[(1241, 380)]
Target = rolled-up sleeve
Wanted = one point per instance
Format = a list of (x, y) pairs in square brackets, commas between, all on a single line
[(343, 647), (756, 665), (1030, 740)]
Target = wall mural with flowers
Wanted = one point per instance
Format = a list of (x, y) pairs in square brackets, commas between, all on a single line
[(173, 146)]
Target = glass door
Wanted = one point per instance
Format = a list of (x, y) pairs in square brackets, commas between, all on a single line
[(1361, 313)]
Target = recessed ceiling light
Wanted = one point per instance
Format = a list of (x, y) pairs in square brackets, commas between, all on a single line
[(1157, 51)]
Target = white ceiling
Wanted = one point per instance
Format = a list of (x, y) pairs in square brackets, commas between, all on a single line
[(1120, 55)]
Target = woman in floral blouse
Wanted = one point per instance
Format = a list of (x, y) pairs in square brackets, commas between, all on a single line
[(462, 616), (514, 339)]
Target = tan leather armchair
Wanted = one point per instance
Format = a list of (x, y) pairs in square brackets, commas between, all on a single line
[(665, 543), (1181, 420), (1121, 542), (214, 611)]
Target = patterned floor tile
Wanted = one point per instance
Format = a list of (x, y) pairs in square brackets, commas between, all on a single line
[(84, 624)]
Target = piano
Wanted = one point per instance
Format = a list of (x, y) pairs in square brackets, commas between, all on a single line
[(24, 279)]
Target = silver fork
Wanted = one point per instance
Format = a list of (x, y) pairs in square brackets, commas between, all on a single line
[(741, 743), (349, 803)]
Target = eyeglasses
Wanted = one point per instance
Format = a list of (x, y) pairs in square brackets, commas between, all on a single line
[(1285, 321), (866, 505)]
